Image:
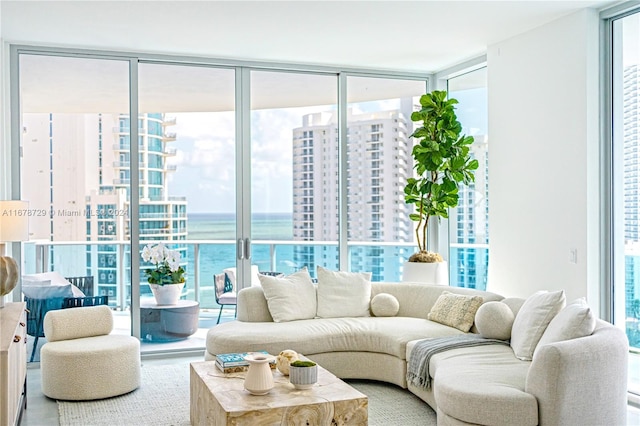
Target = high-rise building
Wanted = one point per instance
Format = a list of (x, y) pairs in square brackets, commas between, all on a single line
[(469, 225), (378, 164), (77, 168), (631, 138)]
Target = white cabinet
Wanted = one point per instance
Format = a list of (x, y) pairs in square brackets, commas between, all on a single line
[(13, 362)]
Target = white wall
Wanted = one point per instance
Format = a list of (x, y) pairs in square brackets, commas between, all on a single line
[(543, 156)]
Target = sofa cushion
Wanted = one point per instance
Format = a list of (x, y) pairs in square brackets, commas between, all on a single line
[(455, 310), (469, 387), (364, 334), (290, 298), (494, 320), (532, 320), (514, 303), (574, 321), (343, 294), (384, 305)]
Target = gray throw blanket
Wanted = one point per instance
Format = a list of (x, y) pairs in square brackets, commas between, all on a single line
[(418, 367)]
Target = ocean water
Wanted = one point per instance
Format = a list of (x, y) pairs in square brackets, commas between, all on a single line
[(217, 255)]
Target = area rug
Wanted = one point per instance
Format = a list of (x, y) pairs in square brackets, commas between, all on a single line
[(163, 399)]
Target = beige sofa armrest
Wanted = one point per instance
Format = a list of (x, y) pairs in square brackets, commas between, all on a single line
[(582, 381), (252, 305)]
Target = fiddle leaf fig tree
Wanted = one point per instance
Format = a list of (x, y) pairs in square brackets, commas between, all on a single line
[(442, 161)]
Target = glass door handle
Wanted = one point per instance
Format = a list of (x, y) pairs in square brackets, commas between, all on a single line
[(240, 249), (247, 247)]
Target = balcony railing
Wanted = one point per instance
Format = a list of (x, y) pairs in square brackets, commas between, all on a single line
[(109, 262)]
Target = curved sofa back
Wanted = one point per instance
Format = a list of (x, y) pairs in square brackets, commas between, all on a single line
[(583, 380), (416, 299)]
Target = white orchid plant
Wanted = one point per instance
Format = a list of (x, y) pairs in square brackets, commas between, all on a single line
[(167, 265)]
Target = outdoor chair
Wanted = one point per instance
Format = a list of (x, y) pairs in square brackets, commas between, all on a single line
[(225, 294), (85, 284)]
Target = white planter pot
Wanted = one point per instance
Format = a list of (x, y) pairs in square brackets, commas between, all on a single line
[(167, 294), (427, 273)]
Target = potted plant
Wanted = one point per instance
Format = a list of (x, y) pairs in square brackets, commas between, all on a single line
[(442, 161), (303, 374), (167, 278)]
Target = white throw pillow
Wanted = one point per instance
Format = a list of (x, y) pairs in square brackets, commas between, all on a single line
[(532, 320), (574, 321), (343, 294), (290, 298), (494, 320), (384, 305)]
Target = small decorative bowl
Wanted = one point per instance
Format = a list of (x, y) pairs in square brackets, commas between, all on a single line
[(303, 377)]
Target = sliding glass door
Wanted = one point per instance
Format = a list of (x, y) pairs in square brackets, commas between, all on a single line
[(186, 161), (294, 171), (78, 202)]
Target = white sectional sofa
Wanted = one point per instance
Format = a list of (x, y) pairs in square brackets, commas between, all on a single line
[(573, 382)]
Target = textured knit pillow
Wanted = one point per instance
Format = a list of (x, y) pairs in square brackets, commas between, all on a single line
[(532, 320), (574, 321), (290, 298), (494, 320), (343, 294), (455, 310), (384, 305)]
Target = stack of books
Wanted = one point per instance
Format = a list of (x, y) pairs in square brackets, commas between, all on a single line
[(235, 362)]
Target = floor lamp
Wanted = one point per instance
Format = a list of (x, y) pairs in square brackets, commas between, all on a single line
[(14, 226)]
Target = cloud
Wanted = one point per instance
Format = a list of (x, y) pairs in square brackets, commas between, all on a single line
[(206, 159)]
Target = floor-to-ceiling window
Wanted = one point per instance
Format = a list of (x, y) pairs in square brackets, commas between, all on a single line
[(294, 165), (379, 162), (625, 176), (469, 222), (72, 150), (187, 146)]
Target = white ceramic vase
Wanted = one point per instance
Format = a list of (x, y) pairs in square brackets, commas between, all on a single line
[(259, 379), (426, 273), (303, 377), (167, 294)]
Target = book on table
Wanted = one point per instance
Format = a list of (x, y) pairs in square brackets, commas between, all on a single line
[(239, 368), (227, 361)]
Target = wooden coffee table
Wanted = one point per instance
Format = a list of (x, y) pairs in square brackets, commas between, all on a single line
[(220, 399)]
